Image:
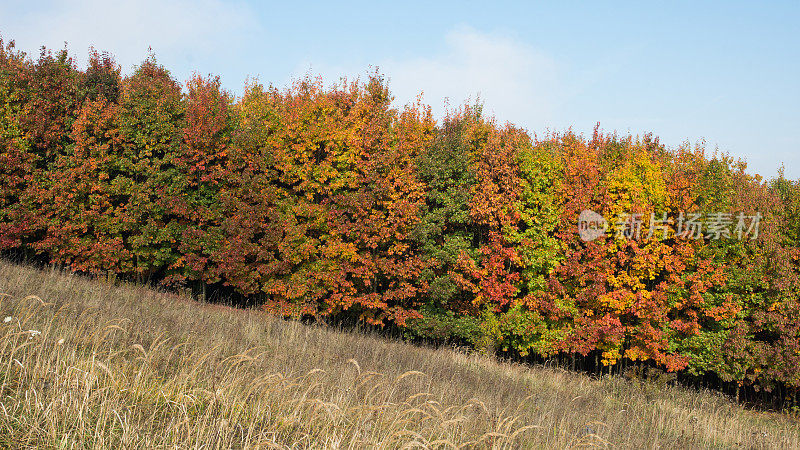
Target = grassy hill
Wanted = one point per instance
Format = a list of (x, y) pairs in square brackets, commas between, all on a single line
[(89, 364)]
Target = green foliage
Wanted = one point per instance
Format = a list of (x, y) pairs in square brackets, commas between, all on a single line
[(151, 126), (448, 169), (540, 203), (441, 325), (521, 330)]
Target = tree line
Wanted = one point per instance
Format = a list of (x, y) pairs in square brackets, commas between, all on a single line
[(329, 201)]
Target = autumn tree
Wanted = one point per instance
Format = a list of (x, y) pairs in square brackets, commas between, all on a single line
[(151, 128)]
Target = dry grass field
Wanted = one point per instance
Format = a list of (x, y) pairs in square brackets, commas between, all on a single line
[(85, 364)]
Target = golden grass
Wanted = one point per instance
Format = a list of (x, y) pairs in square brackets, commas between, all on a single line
[(128, 367)]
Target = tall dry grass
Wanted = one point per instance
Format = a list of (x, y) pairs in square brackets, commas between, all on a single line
[(90, 365)]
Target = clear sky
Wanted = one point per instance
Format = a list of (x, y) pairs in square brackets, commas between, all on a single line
[(724, 72)]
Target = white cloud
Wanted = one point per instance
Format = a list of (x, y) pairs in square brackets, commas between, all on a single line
[(514, 81), (177, 30)]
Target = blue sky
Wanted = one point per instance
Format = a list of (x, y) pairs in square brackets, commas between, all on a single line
[(726, 73)]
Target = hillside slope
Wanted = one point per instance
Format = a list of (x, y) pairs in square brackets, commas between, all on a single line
[(88, 364)]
